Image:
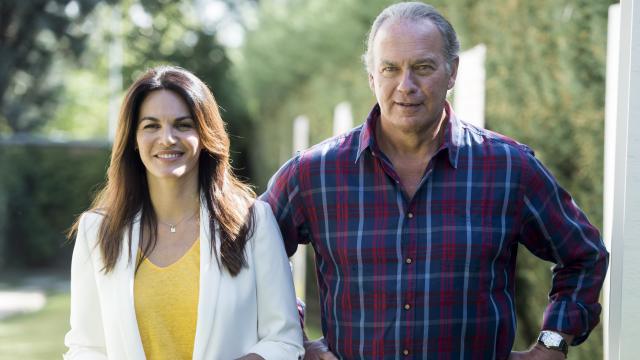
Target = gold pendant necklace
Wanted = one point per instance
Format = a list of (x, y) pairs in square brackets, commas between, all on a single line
[(173, 227)]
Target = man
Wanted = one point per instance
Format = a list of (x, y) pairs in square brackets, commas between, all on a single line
[(415, 217)]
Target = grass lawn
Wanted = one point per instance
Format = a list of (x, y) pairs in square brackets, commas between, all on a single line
[(38, 335)]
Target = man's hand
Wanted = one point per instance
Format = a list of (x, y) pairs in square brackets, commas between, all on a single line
[(537, 352), (317, 350)]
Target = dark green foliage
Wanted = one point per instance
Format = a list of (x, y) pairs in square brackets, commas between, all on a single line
[(545, 83), (42, 189)]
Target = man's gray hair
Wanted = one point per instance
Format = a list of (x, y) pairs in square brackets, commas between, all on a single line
[(415, 11)]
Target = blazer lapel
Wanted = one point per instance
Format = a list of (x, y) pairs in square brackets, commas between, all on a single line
[(209, 285), (124, 295)]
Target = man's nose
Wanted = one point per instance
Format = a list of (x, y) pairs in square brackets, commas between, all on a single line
[(407, 83)]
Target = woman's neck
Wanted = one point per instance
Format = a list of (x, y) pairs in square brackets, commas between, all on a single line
[(174, 199)]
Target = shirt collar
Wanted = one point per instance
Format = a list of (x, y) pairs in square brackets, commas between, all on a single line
[(453, 138), (367, 134)]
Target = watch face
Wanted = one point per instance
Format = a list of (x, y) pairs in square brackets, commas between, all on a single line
[(551, 339), (554, 341)]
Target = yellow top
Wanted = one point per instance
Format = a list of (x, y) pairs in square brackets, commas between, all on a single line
[(166, 301)]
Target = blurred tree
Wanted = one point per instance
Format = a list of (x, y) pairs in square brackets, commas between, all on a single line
[(153, 33), (303, 58), (31, 34)]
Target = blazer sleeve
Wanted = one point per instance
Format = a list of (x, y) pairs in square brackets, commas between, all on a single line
[(85, 340), (279, 332)]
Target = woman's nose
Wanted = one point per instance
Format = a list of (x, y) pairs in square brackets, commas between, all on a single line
[(168, 135)]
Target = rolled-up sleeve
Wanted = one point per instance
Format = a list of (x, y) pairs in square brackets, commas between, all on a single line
[(283, 195), (555, 229)]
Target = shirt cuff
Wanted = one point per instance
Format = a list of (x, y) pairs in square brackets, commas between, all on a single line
[(572, 318)]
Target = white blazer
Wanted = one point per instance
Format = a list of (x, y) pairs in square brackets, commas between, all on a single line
[(254, 312)]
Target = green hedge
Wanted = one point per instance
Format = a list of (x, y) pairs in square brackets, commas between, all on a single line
[(43, 188)]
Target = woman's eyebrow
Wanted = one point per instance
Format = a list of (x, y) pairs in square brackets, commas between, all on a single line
[(152, 118)]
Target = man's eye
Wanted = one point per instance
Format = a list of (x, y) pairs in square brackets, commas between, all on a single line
[(424, 68), (388, 69)]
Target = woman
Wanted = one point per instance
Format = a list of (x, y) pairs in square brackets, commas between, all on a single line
[(176, 259)]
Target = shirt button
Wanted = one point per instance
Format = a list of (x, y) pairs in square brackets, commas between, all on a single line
[(408, 260), (407, 306), (405, 352), (373, 153), (410, 215)]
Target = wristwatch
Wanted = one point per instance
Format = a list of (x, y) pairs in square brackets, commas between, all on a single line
[(554, 341)]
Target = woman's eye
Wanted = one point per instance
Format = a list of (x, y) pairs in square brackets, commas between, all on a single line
[(150, 126)]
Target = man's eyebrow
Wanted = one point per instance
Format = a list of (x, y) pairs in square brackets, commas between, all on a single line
[(426, 60)]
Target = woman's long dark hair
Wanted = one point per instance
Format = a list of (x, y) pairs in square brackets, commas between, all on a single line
[(229, 201)]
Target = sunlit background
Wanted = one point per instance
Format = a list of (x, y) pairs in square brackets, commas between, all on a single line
[(65, 64)]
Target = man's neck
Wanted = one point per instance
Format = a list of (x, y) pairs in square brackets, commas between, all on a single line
[(411, 152), (421, 144)]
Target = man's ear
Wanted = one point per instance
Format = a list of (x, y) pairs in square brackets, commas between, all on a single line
[(454, 73), (371, 84)]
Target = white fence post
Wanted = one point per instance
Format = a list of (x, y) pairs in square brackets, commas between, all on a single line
[(610, 119), (342, 118), (468, 93), (623, 318)]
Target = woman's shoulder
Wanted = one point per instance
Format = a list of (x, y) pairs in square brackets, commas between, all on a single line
[(264, 222), (90, 220), (266, 233), (262, 210)]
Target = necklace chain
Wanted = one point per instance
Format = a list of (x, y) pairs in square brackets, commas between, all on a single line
[(172, 227)]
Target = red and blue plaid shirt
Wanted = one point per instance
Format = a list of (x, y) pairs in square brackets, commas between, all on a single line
[(433, 276)]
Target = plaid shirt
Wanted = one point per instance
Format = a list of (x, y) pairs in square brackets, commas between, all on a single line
[(433, 276)]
